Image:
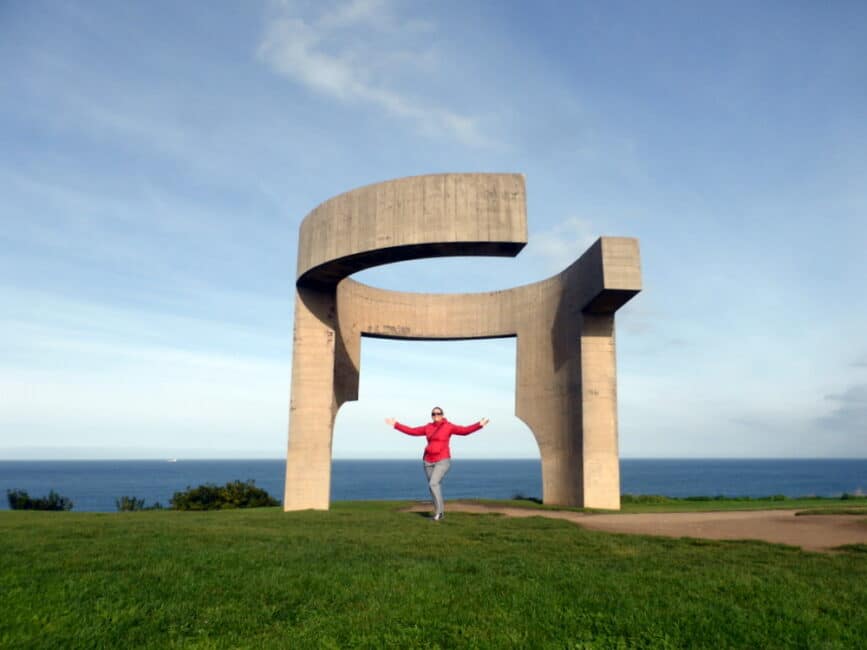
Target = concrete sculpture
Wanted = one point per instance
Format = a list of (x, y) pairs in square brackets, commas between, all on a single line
[(565, 386)]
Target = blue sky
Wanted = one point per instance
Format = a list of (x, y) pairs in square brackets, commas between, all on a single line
[(156, 160)]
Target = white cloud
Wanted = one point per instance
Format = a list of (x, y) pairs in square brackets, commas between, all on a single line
[(373, 13), (849, 415), (101, 394), (557, 247), (155, 402), (74, 373), (354, 53)]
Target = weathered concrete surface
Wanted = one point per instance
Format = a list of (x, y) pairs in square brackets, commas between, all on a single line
[(566, 378), (412, 218)]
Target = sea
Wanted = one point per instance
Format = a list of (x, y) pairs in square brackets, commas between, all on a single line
[(94, 486)]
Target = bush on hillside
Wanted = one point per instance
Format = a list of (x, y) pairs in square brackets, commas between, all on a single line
[(20, 500), (234, 494), (644, 498), (131, 504)]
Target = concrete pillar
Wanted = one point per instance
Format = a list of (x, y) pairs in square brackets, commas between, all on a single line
[(599, 413), (312, 405)]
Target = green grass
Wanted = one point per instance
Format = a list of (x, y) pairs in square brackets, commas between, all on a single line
[(830, 510), (653, 503), (367, 575), (853, 548)]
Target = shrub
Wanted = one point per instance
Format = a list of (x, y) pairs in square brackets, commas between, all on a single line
[(20, 500), (234, 494), (131, 504), (644, 498)]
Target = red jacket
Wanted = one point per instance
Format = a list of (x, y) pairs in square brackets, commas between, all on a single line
[(438, 434)]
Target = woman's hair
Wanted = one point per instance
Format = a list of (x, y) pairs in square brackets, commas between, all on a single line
[(437, 408)]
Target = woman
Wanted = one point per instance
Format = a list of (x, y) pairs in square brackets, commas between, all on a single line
[(436, 454)]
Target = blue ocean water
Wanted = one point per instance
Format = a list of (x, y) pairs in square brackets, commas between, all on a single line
[(94, 485)]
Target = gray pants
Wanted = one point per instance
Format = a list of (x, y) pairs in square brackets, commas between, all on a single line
[(435, 473)]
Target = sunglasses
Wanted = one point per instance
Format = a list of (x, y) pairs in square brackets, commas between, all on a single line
[(436, 412)]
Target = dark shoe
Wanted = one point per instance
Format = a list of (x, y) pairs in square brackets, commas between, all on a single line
[(439, 517)]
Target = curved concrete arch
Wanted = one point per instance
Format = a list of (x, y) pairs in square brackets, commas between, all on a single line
[(565, 379), (411, 218)]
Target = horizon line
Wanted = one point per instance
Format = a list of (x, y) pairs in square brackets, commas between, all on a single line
[(167, 458)]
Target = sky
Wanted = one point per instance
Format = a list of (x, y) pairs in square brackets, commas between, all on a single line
[(157, 159)]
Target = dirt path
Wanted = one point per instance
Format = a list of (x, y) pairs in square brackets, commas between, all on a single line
[(812, 533)]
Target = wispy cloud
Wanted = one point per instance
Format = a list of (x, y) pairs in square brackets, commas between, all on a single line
[(73, 373), (849, 414), (556, 248), (372, 13), (40, 320), (354, 52)]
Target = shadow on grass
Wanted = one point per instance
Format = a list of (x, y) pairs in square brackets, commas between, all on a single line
[(425, 511), (521, 497), (852, 548)]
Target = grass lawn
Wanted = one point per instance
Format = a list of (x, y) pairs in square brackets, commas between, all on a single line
[(365, 575), (833, 511), (629, 504)]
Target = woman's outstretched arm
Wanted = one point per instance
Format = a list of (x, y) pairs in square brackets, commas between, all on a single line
[(465, 431), (411, 431)]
